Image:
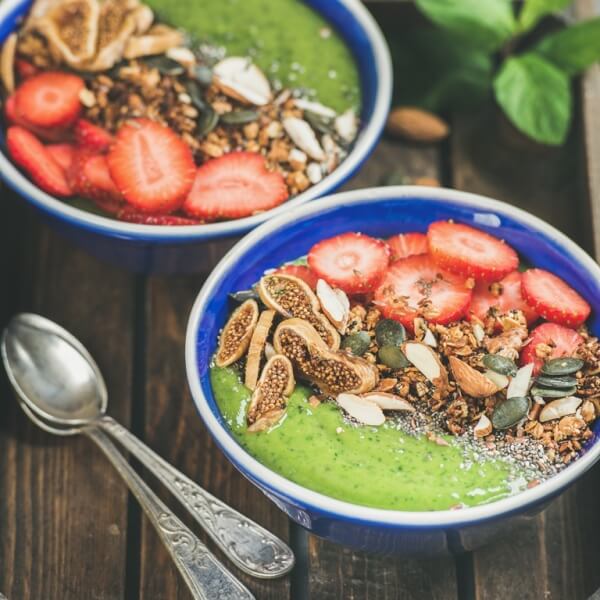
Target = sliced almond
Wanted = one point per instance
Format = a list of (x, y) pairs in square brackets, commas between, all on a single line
[(500, 380), (364, 411), (416, 124), (387, 401), (559, 408), (478, 332), (239, 78), (427, 362), (483, 427), (335, 306), (7, 63), (257, 345), (471, 381), (519, 384), (346, 125), (304, 137), (184, 56), (315, 107), (314, 173)]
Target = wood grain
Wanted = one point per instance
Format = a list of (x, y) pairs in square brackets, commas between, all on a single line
[(63, 520)]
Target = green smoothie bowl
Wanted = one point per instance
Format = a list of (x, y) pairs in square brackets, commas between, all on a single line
[(144, 129), (406, 370)]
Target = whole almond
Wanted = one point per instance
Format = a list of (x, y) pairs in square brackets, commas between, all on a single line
[(471, 381), (416, 124)]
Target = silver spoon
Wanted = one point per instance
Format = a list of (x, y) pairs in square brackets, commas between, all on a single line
[(58, 380)]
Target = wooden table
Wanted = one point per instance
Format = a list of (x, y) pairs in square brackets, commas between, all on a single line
[(69, 530)]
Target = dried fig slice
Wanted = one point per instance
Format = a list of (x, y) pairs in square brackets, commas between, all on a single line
[(257, 345), (236, 335), (333, 371), (292, 297), (276, 383)]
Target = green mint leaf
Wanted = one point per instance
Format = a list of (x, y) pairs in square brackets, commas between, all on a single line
[(575, 48), (486, 24), (536, 97), (534, 10)]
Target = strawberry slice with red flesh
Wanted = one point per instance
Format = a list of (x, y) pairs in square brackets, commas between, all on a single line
[(418, 287), (64, 155), (151, 166), (302, 272), (563, 341), (554, 299), (31, 155), (503, 296), (92, 136), (146, 219), (25, 69), (47, 134), (470, 252), (352, 262), (50, 99), (407, 244), (234, 186)]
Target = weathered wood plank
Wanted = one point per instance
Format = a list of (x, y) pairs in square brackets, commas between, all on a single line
[(64, 511), (555, 555), (174, 429)]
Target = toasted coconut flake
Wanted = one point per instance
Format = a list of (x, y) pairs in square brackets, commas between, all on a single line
[(500, 380), (153, 43), (335, 305), (257, 345), (304, 137), (292, 297), (559, 408), (7, 62), (315, 107), (387, 401), (519, 384), (483, 427), (276, 383), (236, 335), (346, 125), (333, 371), (237, 77), (364, 411), (471, 381)]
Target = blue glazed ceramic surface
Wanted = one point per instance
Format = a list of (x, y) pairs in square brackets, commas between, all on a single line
[(381, 212), (179, 249)]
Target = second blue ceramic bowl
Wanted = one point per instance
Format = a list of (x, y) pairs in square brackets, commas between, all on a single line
[(381, 212), (184, 249)]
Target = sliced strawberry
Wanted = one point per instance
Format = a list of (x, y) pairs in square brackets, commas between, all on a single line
[(352, 262), (47, 134), (469, 251), (29, 153), (25, 69), (91, 179), (146, 219), (50, 99), (562, 340), (503, 296), (416, 286), (407, 244), (302, 272), (234, 186), (63, 154), (92, 136), (151, 166), (554, 299)]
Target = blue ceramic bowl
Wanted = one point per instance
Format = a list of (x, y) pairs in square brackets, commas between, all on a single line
[(381, 212), (179, 249)]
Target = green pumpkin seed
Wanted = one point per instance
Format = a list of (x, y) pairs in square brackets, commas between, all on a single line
[(500, 364), (393, 357), (197, 95), (244, 295), (203, 75), (358, 342), (552, 393), (164, 65), (390, 333), (510, 412), (239, 117), (319, 123), (545, 381), (562, 366), (207, 121)]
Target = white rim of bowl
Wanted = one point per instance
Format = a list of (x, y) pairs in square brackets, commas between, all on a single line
[(365, 143), (298, 494)]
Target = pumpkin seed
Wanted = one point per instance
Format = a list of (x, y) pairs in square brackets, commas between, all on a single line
[(164, 65), (244, 295), (358, 342), (239, 117), (207, 121), (552, 393), (393, 357), (318, 122), (390, 333), (203, 75), (500, 364), (510, 412), (546, 381), (562, 366), (197, 95)]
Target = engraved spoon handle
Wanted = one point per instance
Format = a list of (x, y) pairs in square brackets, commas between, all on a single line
[(205, 576), (249, 546)]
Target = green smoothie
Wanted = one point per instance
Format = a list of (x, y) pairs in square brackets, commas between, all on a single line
[(288, 40), (380, 467)]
